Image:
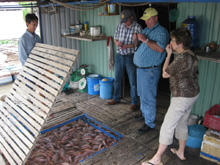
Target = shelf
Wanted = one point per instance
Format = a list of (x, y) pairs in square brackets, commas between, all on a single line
[(108, 14), (85, 38)]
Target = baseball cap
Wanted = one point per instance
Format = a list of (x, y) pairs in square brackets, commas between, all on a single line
[(149, 12), (125, 15)]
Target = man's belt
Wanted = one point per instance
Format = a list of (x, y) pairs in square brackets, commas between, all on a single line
[(154, 66)]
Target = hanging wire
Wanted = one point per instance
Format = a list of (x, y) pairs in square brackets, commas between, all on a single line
[(132, 4), (80, 7), (91, 7)]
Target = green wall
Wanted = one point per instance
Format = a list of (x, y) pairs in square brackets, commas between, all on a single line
[(95, 53), (208, 16), (209, 82)]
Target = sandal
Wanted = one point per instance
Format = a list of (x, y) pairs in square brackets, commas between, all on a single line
[(174, 151), (149, 163)]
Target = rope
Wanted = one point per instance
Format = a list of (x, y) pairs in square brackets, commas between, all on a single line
[(132, 4), (101, 3), (81, 8)]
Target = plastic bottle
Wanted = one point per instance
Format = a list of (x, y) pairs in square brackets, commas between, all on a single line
[(106, 11), (86, 25), (193, 26)]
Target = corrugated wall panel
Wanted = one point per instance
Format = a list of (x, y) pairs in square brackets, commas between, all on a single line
[(52, 24), (209, 82), (208, 16), (95, 53)]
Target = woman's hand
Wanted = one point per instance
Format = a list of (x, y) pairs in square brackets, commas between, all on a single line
[(169, 50)]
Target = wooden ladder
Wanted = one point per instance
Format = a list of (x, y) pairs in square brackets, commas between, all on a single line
[(28, 105)]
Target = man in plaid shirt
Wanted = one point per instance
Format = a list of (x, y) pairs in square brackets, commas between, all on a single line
[(123, 39)]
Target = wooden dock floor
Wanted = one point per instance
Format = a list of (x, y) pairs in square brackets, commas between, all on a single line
[(133, 148)]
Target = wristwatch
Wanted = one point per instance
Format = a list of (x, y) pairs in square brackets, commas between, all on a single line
[(146, 40)]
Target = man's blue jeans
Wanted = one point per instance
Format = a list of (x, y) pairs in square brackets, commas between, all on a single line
[(125, 62), (147, 82)]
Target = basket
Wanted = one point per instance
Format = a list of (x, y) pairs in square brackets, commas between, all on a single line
[(212, 118)]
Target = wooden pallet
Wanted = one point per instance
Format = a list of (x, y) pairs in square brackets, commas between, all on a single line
[(28, 105)]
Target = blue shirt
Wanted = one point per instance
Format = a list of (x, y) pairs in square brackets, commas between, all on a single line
[(125, 35), (145, 56), (26, 44)]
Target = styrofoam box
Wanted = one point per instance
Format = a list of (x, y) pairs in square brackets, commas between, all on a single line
[(210, 149)]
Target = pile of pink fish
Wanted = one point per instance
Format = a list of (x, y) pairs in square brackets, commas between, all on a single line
[(69, 144)]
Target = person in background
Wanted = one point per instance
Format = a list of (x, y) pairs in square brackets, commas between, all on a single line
[(29, 38), (123, 39), (148, 59), (184, 86)]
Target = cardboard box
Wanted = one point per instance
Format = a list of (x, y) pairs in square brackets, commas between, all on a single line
[(210, 149)]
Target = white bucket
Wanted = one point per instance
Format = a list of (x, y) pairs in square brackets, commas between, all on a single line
[(193, 119)]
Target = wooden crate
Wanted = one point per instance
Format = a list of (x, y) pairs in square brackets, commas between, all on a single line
[(210, 149), (28, 105)]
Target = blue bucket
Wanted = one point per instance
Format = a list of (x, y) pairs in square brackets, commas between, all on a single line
[(93, 84), (195, 136), (106, 87)]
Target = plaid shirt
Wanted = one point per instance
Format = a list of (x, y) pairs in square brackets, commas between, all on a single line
[(125, 35)]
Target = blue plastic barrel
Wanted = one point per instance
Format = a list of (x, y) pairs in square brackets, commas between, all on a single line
[(106, 87), (195, 137), (93, 84), (193, 26)]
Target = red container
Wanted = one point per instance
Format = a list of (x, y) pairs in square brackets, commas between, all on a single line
[(212, 118)]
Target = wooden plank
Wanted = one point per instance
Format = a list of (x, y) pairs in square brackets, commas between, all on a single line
[(63, 114), (54, 64), (51, 57), (17, 124), (61, 119), (47, 67), (62, 107), (38, 82), (28, 110), (18, 117), (121, 147), (93, 112), (38, 104), (100, 110), (14, 137), (70, 51), (12, 144), (16, 131), (36, 88), (23, 100), (10, 151), (45, 72), (23, 114), (34, 94), (86, 38), (43, 78), (6, 154), (2, 161)]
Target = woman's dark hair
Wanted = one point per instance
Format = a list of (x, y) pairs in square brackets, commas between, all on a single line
[(182, 35), (30, 17)]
